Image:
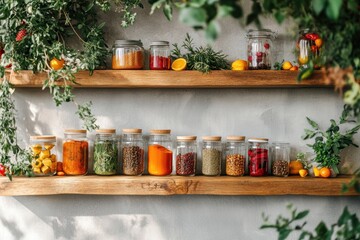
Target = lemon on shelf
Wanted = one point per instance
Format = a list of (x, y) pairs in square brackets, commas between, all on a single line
[(239, 65), (179, 64)]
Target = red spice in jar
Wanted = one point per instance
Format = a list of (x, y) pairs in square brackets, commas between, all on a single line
[(160, 63), (185, 164), (258, 162)]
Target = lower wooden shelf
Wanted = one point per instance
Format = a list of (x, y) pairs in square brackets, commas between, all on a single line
[(173, 185)]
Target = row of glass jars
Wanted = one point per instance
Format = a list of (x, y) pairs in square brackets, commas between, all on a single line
[(160, 155)]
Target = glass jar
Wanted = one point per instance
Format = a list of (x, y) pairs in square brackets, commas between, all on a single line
[(75, 152), (211, 155), (235, 158), (128, 54), (43, 151), (132, 152), (280, 159), (308, 46), (259, 49), (160, 153), (105, 152), (258, 155), (160, 55), (186, 152)]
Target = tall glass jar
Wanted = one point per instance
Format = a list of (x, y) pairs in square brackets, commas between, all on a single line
[(186, 152), (258, 154), (235, 158), (105, 152), (259, 49), (308, 47), (128, 54), (132, 152), (160, 55), (160, 153), (280, 159), (75, 152), (43, 151), (211, 155)]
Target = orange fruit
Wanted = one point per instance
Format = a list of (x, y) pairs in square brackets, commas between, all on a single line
[(325, 172), (179, 64), (316, 172), (57, 64), (60, 174), (286, 65), (294, 68), (319, 42), (303, 172), (239, 65), (295, 166)]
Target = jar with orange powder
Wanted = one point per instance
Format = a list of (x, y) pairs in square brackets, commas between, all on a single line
[(127, 55), (75, 152), (160, 153)]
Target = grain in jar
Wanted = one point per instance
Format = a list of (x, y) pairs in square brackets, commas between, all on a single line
[(280, 155), (235, 150), (211, 155)]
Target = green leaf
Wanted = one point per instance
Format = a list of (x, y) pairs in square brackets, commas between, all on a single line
[(318, 5), (168, 11), (344, 217), (279, 16), (193, 17), (197, 3), (333, 9), (301, 215), (212, 31), (313, 123), (321, 229), (284, 233)]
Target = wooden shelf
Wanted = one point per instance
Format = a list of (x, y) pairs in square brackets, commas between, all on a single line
[(174, 185), (173, 79)]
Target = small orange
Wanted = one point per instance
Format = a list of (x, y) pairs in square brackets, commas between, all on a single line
[(303, 172), (325, 172), (57, 64), (179, 64), (319, 42), (286, 65), (316, 172), (294, 68), (60, 173), (239, 65), (295, 166)]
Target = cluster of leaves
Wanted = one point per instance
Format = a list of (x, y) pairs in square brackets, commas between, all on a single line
[(354, 183), (127, 7), (346, 228), (203, 59), (328, 144)]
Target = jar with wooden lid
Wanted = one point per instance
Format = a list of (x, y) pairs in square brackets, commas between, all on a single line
[(258, 156), (127, 55), (75, 152), (235, 150), (280, 159), (43, 152), (186, 152), (211, 155), (105, 152), (132, 152), (160, 153)]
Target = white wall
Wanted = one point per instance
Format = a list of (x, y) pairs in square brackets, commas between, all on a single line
[(275, 113)]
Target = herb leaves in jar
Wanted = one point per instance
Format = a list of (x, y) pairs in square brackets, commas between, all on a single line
[(105, 152)]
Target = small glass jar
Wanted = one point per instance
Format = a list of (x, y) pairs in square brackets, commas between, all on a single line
[(308, 46), (132, 152), (105, 152), (235, 158), (258, 156), (280, 159), (75, 152), (160, 55), (211, 155), (127, 55), (43, 151), (259, 49), (186, 152), (160, 153)]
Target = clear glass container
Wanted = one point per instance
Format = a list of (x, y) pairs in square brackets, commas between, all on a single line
[(43, 151), (280, 159), (160, 55), (128, 54), (132, 152), (259, 49), (308, 47), (211, 155), (258, 156), (105, 152), (75, 152), (160, 153), (186, 153), (235, 158)]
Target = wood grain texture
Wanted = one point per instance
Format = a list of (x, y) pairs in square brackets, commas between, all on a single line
[(173, 79), (173, 185)]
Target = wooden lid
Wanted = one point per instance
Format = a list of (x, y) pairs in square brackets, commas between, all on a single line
[(75, 131), (258, 139), (186, 138), (160, 131), (106, 130), (236, 138), (211, 138), (132, 130), (43, 137)]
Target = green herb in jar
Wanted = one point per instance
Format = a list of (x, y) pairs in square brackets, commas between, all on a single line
[(211, 161), (105, 157)]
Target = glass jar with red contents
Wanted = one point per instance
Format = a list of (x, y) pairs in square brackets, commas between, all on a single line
[(308, 47), (160, 55), (186, 150), (258, 156), (259, 49)]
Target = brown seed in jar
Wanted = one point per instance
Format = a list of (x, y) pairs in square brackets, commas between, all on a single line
[(235, 164), (280, 168)]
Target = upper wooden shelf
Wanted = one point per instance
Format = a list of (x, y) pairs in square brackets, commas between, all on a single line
[(174, 185), (173, 79)]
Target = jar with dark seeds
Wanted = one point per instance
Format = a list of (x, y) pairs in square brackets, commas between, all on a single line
[(132, 152), (186, 150)]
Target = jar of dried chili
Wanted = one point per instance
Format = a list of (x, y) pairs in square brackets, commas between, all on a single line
[(186, 152), (258, 153), (75, 152), (160, 153)]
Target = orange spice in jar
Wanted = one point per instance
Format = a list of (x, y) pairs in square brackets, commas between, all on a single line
[(160, 153), (127, 55), (75, 152)]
